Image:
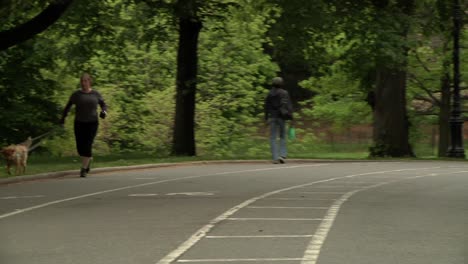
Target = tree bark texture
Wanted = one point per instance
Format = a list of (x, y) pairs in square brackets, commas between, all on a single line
[(187, 62), (39, 23), (391, 125)]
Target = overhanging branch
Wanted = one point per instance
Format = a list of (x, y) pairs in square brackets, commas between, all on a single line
[(38, 24), (421, 85)]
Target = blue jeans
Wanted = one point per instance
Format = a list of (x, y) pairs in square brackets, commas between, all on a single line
[(278, 125)]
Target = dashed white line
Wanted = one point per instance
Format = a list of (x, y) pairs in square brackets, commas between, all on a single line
[(273, 219), (192, 193), (300, 199), (321, 192), (238, 260), (368, 181), (21, 197), (335, 186), (143, 194), (202, 232), (27, 209), (288, 207), (261, 236), (313, 250)]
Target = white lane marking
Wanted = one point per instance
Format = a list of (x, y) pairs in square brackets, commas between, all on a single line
[(273, 219), (171, 194), (312, 252), (192, 240), (238, 260), (299, 199), (20, 197), (368, 181), (317, 193), (261, 236), (337, 187), (288, 207), (143, 194), (192, 193), (320, 192), (27, 209)]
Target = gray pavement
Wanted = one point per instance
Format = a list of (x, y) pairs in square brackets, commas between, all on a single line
[(245, 212)]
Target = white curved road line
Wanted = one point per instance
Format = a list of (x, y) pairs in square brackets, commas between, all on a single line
[(313, 250), (202, 232), (24, 210), (20, 197)]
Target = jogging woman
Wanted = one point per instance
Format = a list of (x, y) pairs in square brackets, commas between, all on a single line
[(86, 123)]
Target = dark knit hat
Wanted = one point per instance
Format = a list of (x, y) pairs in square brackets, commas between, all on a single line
[(277, 82)]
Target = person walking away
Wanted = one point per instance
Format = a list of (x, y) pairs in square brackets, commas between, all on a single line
[(86, 121), (278, 109)]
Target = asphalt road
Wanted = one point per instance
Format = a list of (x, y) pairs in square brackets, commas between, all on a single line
[(325, 213)]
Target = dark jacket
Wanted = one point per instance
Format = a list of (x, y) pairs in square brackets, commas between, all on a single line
[(86, 106), (273, 101)]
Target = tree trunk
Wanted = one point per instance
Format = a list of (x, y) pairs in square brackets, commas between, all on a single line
[(187, 62), (34, 26), (391, 125), (444, 114)]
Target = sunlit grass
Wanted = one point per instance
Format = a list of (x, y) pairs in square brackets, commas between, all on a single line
[(41, 164), (257, 149)]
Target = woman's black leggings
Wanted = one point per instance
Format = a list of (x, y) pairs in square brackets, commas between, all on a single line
[(84, 136)]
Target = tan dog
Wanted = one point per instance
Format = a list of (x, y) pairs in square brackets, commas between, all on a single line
[(17, 155)]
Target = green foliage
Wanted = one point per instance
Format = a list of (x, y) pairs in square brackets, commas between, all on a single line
[(233, 71), (130, 49), (339, 100), (380, 149), (298, 31), (16, 12), (27, 108), (136, 79)]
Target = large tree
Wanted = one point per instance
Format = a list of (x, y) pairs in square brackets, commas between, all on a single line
[(378, 35), (34, 26), (187, 64), (189, 15), (391, 124)]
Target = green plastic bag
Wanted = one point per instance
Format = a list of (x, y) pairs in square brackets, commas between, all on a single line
[(292, 133)]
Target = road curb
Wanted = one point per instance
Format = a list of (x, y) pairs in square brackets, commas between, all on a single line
[(62, 174)]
